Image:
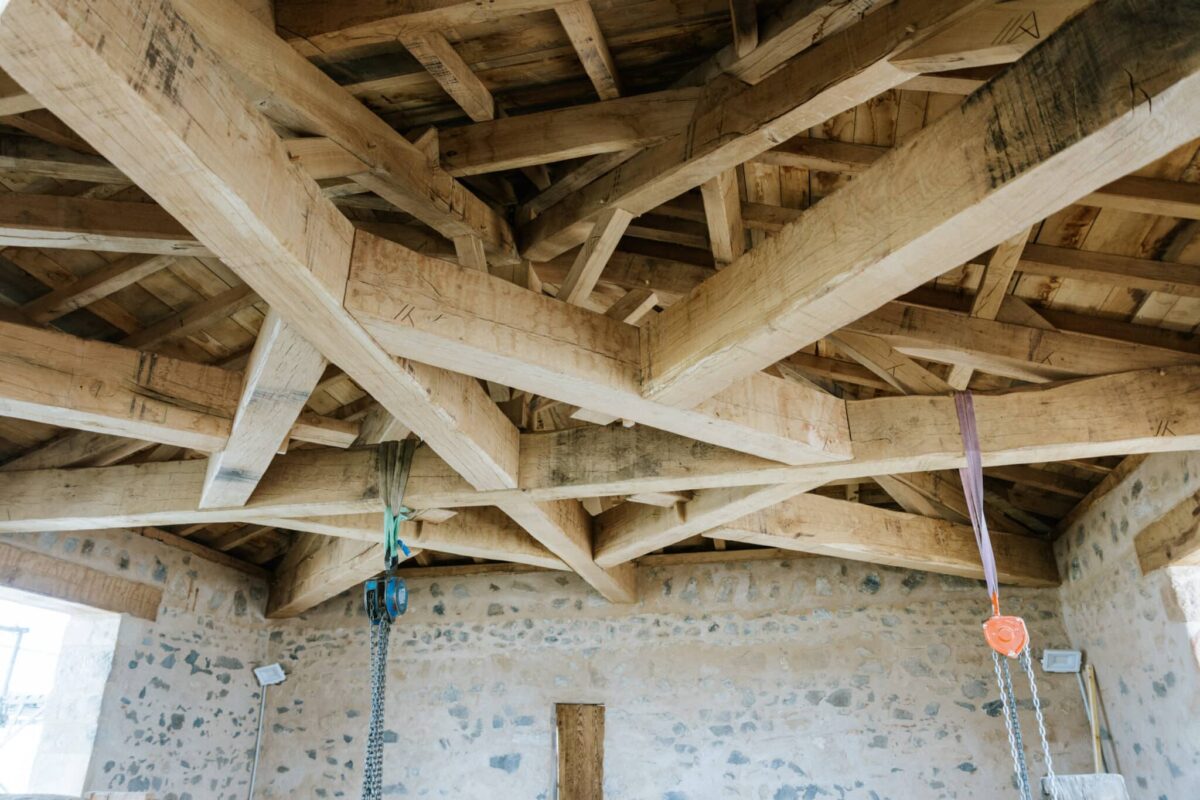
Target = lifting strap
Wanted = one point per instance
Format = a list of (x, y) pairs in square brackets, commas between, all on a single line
[(1007, 636)]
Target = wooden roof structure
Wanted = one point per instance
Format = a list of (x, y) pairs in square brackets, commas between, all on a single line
[(650, 281)]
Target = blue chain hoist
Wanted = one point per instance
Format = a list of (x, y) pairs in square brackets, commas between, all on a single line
[(386, 598)]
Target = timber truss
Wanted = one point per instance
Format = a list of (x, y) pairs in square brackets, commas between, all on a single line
[(705, 294)]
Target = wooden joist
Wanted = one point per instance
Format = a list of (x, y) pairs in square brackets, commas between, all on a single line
[(481, 325), (824, 526), (76, 383), (741, 319), (282, 372), (31, 156), (94, 286), (79, 223), (443, 62), (579, 21)]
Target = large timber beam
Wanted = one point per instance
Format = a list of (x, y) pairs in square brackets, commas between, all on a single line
[(734, 122), (62, 380), (37, 573), (814, 524), (78, 223), (996, 168), (474, 323), (1001, 348), (281, 374), (1137, 412)]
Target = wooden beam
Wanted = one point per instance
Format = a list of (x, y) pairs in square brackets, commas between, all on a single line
[(579, 21), (14, 99), (573, 132), (633, 306), (723, 213), (297, 94), (195, 318), (471, 533), (833, 76), (824, 526), (78, 448), (443, 62), (481, 325), (318, 28), (898, 370), (743, 19), (316, 568), (180, 542), (29, 571), (630, 530), (739, 321), (565, 528), (80, 223), (999, 33), (593, 256), (282, 372), (1181, 280), (61, 380), (35, 157), (1172, 540), (96, 285), (1015, 351), (993, 286), (1148, 196)]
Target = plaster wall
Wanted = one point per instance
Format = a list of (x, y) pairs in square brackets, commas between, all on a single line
[(1142, 633), (806, 678)]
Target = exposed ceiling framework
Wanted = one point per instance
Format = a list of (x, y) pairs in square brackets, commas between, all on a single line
[(649, 281)]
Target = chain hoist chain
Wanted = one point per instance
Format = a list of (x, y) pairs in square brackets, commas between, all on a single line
[(1008, 702), (373, 767), (1027, 663)]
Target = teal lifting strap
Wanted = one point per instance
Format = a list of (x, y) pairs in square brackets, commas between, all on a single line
[(395, 464)]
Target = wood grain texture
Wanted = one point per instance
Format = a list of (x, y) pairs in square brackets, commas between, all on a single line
[(63, 580), (62, 380), (580, 738), (579, 21), (282, 372)]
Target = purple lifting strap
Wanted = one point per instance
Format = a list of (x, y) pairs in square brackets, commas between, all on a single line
[(972, 482)]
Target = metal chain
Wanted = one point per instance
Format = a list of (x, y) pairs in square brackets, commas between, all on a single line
[(1027, 663), (1012, 724), (373, 766)]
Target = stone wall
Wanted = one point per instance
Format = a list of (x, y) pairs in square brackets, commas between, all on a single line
[(806, 678), (1136, 629), (179, 711)]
